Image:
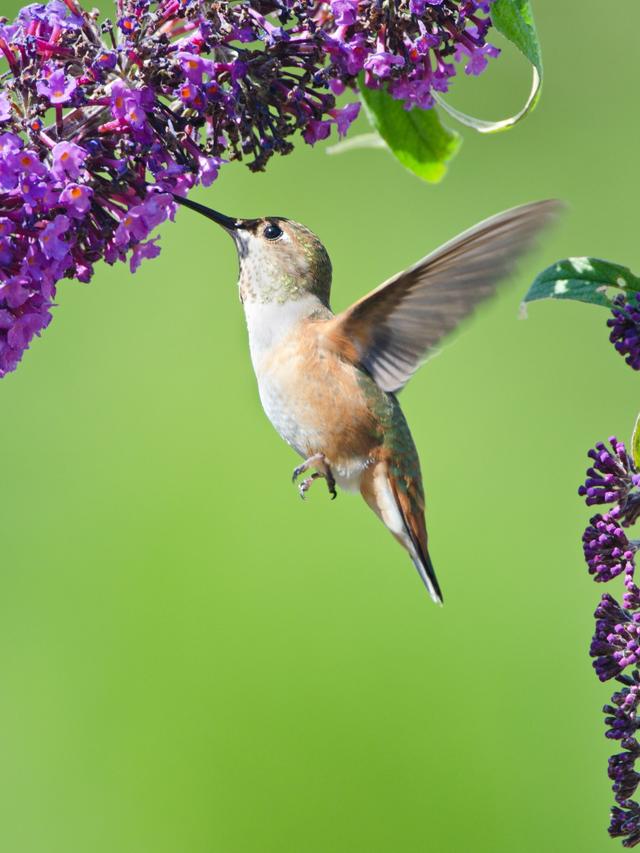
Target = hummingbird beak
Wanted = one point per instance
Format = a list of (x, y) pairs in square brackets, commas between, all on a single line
[(226, 221)]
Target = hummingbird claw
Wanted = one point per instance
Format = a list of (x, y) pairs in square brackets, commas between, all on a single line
[(305, 485), (318, 461)]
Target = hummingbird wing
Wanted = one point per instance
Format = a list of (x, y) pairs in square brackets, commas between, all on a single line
[(390, 331)]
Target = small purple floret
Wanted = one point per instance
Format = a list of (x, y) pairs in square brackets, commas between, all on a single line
[(57, 88), (5, 108), (344, 117), (67, 160), (76, 199), (143, 250), (382, 63), (53, 238), (316, 130), (345, 12)]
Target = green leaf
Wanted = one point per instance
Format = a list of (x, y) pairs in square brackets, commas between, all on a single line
[(416, 137), (514, 19), (583, 279), (635, 444)]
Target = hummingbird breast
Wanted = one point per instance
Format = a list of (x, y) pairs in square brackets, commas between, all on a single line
[(320, 403)]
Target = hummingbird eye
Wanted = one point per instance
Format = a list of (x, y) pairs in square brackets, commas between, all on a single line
[(272, 231)]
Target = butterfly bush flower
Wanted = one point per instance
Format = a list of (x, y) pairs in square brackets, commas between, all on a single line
[(103, 122), (609, 552)]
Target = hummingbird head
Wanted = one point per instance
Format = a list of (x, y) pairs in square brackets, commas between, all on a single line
[(280, 260)]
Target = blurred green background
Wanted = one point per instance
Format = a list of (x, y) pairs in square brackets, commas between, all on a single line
[(191, 658)]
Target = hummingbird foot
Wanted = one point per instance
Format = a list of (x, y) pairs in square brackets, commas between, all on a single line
[(305, 485), (318, 462)]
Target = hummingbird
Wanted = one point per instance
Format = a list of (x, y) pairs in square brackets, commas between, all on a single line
[(329, 382)]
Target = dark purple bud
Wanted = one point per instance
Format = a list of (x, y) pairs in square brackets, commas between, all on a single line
[(625, 823)]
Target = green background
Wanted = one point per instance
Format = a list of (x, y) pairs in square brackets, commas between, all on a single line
[(191, 658)]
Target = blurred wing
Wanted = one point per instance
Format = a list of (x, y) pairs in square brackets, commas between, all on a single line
[(390, 331)]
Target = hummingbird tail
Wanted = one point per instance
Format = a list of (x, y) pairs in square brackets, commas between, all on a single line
[(402, 511), (423, 564), (411, 506)]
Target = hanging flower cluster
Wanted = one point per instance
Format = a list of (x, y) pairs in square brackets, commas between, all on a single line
[(101, 122), (612, 478), (625, 327)]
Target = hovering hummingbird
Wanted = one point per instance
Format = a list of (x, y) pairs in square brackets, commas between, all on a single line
[(328, 383)]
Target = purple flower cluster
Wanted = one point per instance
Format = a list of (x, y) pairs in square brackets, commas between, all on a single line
[(621, 714), (616, 642), (414, 45), (101, 122), (613, 479), (607, 550), (625, 327)]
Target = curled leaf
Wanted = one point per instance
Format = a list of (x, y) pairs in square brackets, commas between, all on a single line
[(514, 19)]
